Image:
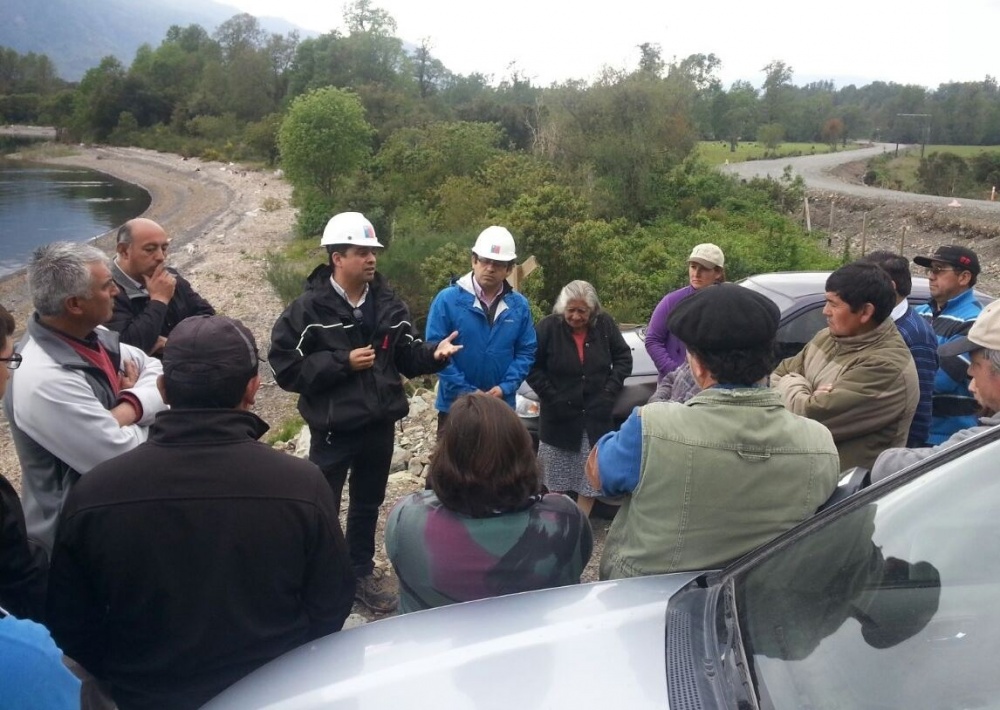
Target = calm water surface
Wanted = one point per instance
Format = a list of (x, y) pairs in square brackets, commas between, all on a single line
[(42, 203)]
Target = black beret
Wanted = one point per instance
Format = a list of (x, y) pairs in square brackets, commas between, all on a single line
[(724, 317)]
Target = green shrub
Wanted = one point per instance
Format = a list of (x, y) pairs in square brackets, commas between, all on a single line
[(286, 277), (271, 204), (285, 431)]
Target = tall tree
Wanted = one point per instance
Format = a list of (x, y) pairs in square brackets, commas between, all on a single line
[(777, 82), (323, 139)]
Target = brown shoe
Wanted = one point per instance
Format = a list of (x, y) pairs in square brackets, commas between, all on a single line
[(373, 591)]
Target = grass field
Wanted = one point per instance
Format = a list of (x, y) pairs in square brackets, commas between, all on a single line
[(901, 172), (717, 152)]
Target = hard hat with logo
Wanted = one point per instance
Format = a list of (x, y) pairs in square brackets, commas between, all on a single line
[(495, 243), (351, 228)]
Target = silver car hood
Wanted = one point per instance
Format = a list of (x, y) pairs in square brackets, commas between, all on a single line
[(591, 645)]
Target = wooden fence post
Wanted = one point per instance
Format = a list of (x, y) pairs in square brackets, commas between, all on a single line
[(809, 227), (829, 234), (864, 230)]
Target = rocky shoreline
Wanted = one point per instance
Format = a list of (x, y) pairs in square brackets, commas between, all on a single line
[(224, 220)]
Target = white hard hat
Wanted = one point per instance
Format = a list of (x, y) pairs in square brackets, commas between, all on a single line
[(349, 228), (495, 243)]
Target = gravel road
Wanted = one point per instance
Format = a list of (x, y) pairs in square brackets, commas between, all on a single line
[(815, 170)]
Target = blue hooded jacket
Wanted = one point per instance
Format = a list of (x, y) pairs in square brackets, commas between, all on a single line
[(490, 356)]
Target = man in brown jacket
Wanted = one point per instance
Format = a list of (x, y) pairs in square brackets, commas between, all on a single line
[(857, 376)]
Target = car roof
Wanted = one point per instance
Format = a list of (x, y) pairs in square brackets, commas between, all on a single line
[(796, 284)]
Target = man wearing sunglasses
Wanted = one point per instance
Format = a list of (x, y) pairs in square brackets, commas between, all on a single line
[(952, 271)]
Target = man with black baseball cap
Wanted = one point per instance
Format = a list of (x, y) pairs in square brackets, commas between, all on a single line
[(952, 271), (982, 347), (710, 479), (188, 562)]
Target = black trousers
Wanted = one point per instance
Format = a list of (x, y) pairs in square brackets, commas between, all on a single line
[(367, 454)]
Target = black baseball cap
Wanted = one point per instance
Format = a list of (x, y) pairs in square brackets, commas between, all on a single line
[(201, 348), (959, 257)]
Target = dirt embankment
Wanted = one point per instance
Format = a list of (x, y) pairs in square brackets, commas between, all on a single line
[(864, 225)]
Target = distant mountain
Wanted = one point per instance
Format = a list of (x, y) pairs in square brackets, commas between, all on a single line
[(77, 34)]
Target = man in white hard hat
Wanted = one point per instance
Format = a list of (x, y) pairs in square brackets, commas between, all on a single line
[(497, 332), (342, 346)]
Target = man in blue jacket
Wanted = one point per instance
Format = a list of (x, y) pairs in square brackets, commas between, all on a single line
[(494, 325), (951, 272)]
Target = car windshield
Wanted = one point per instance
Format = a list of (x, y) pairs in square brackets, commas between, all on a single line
[(891, 605)]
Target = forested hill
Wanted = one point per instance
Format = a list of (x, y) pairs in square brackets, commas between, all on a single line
[(77, 34)]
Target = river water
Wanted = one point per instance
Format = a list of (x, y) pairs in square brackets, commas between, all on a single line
[(42, 203)]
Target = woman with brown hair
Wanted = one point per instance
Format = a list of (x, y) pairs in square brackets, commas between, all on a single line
[(486, 528)]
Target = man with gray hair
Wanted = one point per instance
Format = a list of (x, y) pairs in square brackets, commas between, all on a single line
[(79, 397), (982, 346)]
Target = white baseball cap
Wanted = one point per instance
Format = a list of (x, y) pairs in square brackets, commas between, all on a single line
[(708, 255)]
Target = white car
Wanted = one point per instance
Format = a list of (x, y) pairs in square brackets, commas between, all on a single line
[(886, 600)]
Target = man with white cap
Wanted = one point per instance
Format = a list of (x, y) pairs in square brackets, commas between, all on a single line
[(495, 325), (705, 268), (982, 347), (342, 346)]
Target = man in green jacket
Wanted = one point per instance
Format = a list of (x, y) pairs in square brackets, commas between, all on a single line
[(857, 376), (710, 479)]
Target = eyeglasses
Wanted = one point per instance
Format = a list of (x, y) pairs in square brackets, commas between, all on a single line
[(494, 263), (13, 362), (937, 269)]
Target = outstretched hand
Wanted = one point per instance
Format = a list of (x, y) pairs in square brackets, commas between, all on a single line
[(446, 348)]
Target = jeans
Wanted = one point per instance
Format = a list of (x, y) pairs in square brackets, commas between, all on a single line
[(367, 453)]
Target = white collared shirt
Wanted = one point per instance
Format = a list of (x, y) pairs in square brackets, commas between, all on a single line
[(340, 289), (900, 310)]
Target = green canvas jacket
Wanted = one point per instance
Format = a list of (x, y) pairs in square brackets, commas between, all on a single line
[(721, 474)]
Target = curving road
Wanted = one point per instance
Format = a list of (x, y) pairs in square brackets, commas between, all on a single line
[(814, 169)]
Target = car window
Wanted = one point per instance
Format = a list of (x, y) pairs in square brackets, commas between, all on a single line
[(892, 605), (799, 329)]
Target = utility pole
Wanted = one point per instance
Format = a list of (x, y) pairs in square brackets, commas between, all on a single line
[(926, 132)]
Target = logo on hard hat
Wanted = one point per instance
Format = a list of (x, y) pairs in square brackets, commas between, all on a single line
[(495, 249), (369, 231)]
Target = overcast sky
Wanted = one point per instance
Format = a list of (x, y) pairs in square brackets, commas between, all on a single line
[(848, 41)]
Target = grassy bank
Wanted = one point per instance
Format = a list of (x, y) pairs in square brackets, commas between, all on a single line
[(899, 171), (718, 153)]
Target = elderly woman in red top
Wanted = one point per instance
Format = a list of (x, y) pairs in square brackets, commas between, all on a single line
[(580, 365)]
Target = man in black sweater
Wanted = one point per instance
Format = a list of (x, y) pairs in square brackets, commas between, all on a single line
[(188, 562), (152, 297)]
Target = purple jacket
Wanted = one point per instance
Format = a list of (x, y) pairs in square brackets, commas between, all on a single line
[(666, 350)]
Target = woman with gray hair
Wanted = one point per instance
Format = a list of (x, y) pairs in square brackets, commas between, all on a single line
[(580, 366)]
